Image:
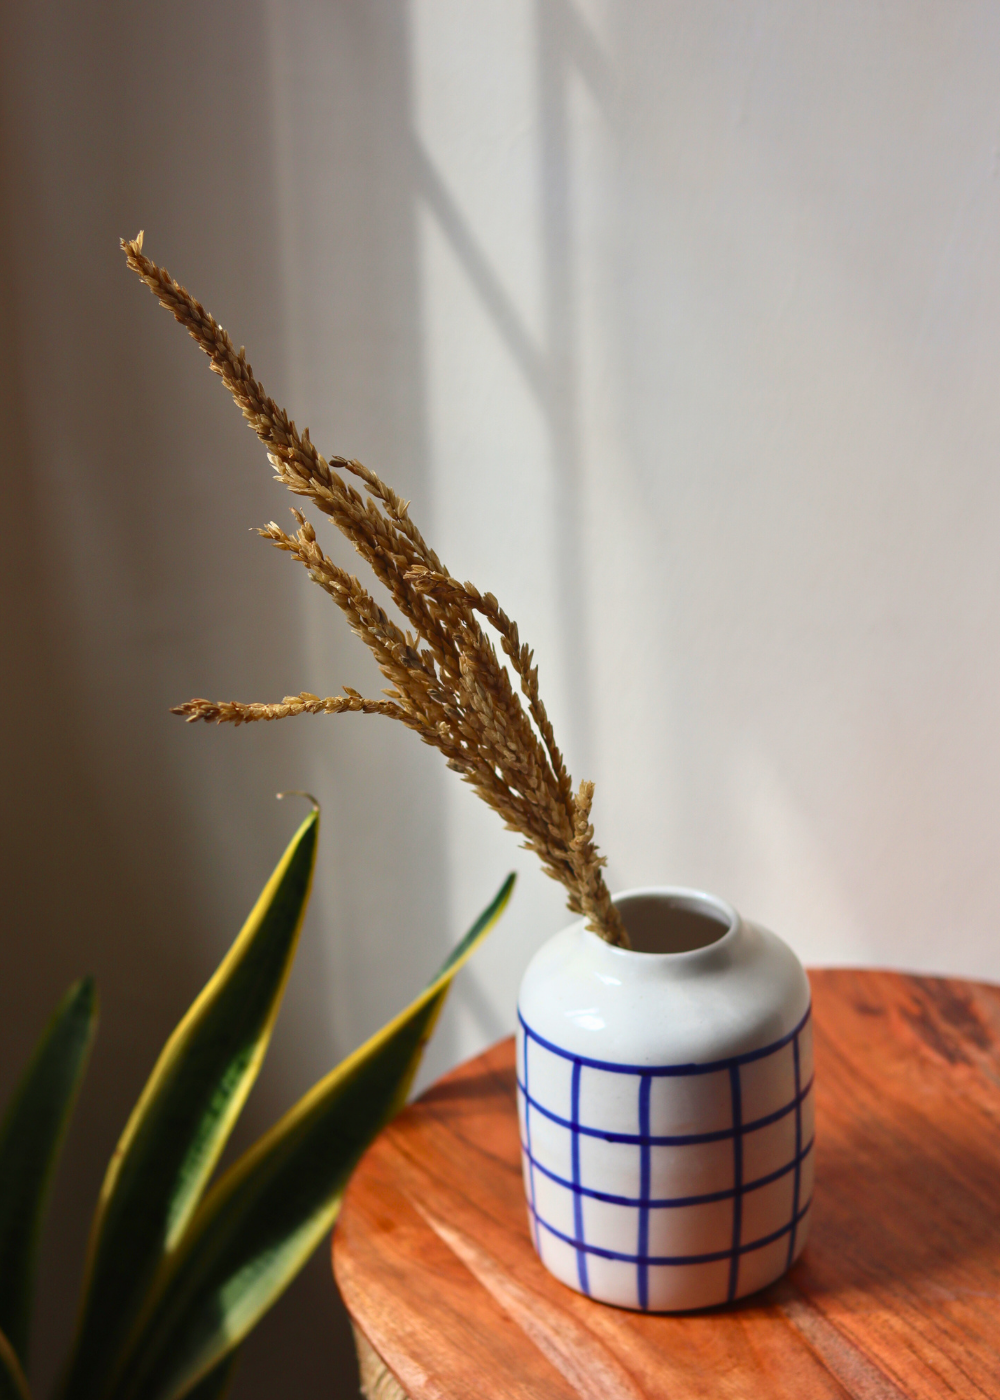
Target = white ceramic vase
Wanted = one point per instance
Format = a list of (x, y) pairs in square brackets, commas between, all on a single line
[(666, 1105)]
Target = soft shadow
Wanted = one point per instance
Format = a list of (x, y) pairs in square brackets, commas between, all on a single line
[(132, 846), (470, 1093)]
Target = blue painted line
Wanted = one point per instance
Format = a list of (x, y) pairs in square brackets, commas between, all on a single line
[(673, 1140), (734, 1262), (655, 1260), (531, 1160), (670, 1202), (581, 1254), (642, 1268), (710, 1067)]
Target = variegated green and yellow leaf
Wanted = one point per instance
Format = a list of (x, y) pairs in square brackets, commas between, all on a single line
[(261, 1221), (183, 1118), (30, 1138)]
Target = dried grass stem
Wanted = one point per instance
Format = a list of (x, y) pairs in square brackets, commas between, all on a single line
[(446, 682)]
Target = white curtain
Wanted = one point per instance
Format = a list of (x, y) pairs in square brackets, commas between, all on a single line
[(678, 323)]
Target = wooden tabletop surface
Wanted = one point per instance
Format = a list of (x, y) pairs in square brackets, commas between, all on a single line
[(897, 1294)]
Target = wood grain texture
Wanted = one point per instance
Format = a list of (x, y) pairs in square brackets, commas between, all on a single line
[(897, 1294)]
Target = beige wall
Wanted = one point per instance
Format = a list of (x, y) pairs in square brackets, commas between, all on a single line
[(678, 324)]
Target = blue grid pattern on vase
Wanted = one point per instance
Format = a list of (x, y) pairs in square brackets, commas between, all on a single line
[(742, 1140)]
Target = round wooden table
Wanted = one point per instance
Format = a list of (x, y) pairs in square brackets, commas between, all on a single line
[(897, 1294)]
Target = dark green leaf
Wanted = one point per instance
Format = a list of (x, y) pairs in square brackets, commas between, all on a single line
[(30, 1138), (216, 1384), (183, 1119), (260, 1222), (13, 1385)]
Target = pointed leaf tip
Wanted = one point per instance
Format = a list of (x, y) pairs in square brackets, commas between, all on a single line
[(297, 792), (183, 1119), (260, 1222)]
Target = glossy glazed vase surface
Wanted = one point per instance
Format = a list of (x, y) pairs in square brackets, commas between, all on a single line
[(666, 1107)]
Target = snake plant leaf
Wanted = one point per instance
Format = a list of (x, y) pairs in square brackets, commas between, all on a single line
[(260, 1222), (215, 1386), (30, 1139), (13, 1385), (183, 1118)]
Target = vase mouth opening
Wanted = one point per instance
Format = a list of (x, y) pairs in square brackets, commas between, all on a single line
[(674, 921)]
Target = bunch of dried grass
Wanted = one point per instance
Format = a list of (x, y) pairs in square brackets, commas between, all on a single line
[(446, 682)]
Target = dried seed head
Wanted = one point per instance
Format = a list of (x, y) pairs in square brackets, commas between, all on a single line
[(446, 682)]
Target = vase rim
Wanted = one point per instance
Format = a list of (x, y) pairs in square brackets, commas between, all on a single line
[(709, 906)]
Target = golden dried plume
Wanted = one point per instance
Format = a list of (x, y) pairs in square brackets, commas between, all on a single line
[(445, 680)]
